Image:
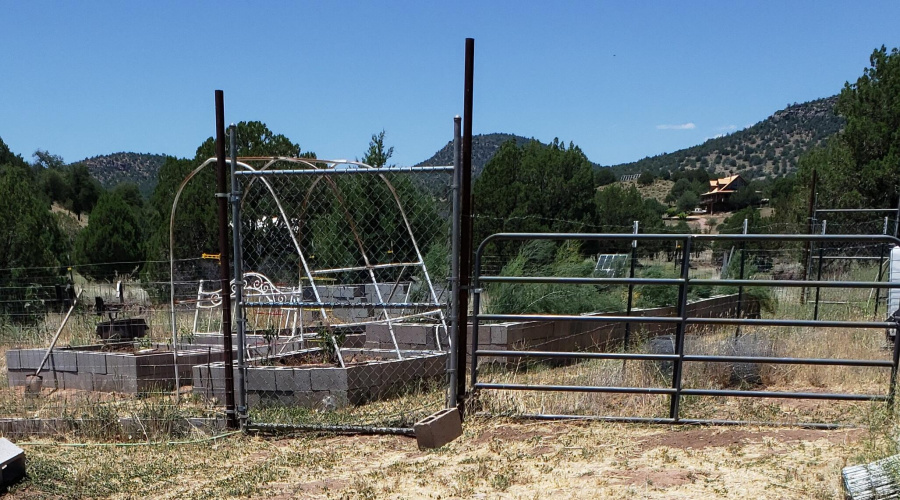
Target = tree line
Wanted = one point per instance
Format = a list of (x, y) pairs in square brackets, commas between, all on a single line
[(127, 235)]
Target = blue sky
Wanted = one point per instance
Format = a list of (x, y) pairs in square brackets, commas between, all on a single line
[(623, 80)]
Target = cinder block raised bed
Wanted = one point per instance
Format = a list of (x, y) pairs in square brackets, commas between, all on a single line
[(380, 375), (560, 335), (89, 368)]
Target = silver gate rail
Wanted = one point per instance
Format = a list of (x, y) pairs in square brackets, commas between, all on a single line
[(682, 318)]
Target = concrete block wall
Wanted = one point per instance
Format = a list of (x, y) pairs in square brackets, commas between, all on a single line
[(560, 336), (89, 369), (325, 387), (410, 336), (571, 336)]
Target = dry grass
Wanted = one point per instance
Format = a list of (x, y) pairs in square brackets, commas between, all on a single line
[(494, 458), (659, 189)]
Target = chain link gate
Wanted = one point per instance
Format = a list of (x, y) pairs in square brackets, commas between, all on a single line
[(343, 306)]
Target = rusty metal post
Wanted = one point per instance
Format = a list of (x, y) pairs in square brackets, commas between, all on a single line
[(222, 202), (467, 211)]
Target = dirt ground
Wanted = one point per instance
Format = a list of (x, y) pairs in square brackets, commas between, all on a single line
[(495, 458)]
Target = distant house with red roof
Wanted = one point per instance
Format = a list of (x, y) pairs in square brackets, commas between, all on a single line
[(719, 192)]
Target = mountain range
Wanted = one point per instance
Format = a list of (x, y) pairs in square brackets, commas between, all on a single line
[(769, 148)]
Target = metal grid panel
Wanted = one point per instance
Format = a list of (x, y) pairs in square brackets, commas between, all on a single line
[(360, 260), (549, 365)]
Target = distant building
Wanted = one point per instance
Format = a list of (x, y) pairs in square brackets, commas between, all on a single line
[(719, 192), (630, 177)]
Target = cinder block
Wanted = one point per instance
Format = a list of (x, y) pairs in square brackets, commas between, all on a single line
[(412, 334), (438, 429), (121, 365), (80, 381), (328, 379), (260, 379), (358, 396), (199, 375), (284, 379), (435, 365), (66, 361), (253, 399), (216, 378), (358, 376), (30, 359), (18, 377), (107, 383), (375, 373), (12, 359), (498, 335), (302, 380), (330, 400)]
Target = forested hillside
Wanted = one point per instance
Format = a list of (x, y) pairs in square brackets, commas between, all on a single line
[(771, 147), (484, 147), (138, 168)]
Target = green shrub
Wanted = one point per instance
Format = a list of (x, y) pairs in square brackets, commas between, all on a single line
[(550, 298), (648, 296)]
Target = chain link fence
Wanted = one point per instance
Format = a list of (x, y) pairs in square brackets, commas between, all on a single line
[(89, 359), (345, 293)]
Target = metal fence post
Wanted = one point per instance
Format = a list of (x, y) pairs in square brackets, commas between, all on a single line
[(679, 332), (476, 310), (453, 395), (810, 227), (467, 210), (895, 359), (880, 268), (819, 272), (740, 297), (221, 196), (897, 219), (238, 271), (630, 290)]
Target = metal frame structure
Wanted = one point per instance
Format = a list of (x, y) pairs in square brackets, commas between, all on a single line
[(323, 169), (675, 391), (820, 257)]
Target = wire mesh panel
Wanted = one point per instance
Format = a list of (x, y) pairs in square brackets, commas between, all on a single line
[(355, 331), (90, 358)]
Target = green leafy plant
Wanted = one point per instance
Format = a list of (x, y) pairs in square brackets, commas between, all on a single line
[(331, 340)]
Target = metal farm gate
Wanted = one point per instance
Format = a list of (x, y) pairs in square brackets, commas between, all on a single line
[(707, 354), (354, 321)]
